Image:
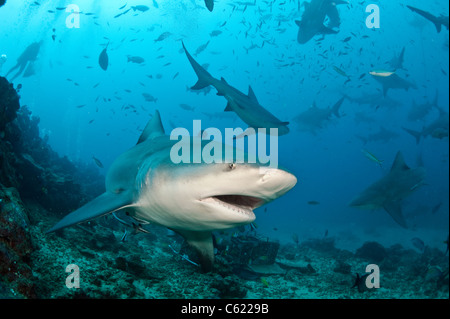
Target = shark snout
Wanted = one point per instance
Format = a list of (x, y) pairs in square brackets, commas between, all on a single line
[(276, 181)]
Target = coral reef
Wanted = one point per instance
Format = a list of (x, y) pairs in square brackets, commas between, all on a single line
[(372, 251)]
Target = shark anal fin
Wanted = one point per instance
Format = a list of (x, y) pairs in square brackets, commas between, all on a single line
[(202, 242), (394, 209)]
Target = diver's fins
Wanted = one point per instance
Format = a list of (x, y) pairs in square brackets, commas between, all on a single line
[(102, 205)]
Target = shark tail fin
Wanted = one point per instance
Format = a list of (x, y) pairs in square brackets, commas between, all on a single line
[(204, 78), (202, 242), (395, 210), (104, 204), (337, 106), (416, 134)]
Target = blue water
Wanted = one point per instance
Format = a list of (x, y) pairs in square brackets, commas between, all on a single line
[(287, 78)]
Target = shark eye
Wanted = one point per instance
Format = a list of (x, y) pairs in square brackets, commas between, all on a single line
[(231, 166)]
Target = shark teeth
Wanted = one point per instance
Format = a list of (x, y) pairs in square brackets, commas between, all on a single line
[(237, 203)]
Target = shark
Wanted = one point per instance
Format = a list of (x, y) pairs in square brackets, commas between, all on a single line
[(388, 192), (383, 135), (437, 21), (439, 128), (192, 199), (313, 18), (397, 61), (246, 106), (419, 112), (375, 100), (27, 58), (390, 80), (315, 118)]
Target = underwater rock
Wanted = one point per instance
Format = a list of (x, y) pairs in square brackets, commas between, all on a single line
[(371, 251), (342, 268), (15, 244), (325, 245), (9, 103), (229, 287)]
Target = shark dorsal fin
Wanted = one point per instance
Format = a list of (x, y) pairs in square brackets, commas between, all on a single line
[(399, 163), (154, 128), (251, 94), (223, 80)]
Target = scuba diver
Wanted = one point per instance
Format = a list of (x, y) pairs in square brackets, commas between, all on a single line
[(26, 58)]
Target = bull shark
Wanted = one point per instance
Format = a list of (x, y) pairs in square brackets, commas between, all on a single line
[(26, 58), (245, 106), (190, 199), (390, 80), (439, 128), (390, 190), (437, 21), (312, 21), (314, 118)]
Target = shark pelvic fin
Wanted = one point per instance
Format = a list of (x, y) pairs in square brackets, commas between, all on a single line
[(202, 242), (104, 204), (154, 128)]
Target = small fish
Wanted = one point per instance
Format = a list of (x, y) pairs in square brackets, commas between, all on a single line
[(97, 162), (103, 59), (141, 8), (264, 282), (295, 238), (419, 244), (135, 59), (313, 202), (360, 282), (340, 72), (446, 242), (187, 107), (80, 106), (372, 157), (381, 73), (163, 36)]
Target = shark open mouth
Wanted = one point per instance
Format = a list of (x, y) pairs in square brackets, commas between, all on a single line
[(239, 203)]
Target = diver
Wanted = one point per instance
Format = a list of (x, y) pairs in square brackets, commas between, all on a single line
[(26, 58), (3, 59)]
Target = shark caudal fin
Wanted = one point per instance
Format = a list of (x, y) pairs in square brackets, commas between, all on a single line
[(102, 205), (204, 78), (416, 134)]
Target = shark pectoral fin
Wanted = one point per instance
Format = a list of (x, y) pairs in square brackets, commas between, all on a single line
[(202, 242), (298, 22), (395, 210), (102, 205)]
